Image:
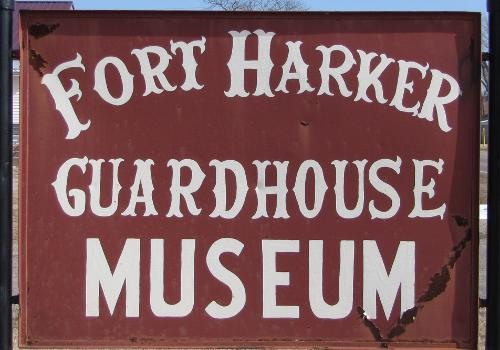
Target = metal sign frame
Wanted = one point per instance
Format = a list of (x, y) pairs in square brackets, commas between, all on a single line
[(6, 8)]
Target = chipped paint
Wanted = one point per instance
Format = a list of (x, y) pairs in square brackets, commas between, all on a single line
[(461, 221), (408, 317), (39, 30), (36, 61), (459, 248), (437, 285), (438, 282), (375, 331)]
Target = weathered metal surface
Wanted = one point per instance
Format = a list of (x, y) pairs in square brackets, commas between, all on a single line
[(372, 147), (33, 5)]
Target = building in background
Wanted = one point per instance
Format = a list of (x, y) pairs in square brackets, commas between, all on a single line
[(484, 122), (15, 101), (26, 5)]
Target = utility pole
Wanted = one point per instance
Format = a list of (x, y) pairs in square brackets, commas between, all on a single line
[(6, 9), (493, 276)]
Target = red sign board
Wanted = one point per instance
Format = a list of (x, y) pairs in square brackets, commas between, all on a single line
[(249, 179)]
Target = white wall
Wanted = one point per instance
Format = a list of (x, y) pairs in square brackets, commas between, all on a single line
[(15, 101), (15, 98)]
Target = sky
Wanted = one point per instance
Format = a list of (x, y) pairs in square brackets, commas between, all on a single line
[(313, 5)]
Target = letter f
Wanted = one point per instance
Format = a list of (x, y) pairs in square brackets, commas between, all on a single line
[(61, 96)]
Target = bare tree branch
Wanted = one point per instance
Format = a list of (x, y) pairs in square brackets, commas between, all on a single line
[(257, 5), (485, 69)]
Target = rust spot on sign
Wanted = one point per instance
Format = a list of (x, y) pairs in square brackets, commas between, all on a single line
[(372, 327), (408, 317), (461, 221), (459, 248), (437, 284), (37, 61), (40, 30), (440, 280)]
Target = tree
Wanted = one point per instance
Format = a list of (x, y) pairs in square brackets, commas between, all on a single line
[(257, 5), (485, 68), (485, 48)]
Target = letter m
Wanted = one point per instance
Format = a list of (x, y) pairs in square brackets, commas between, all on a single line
[(376, 281), (98, 274)]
